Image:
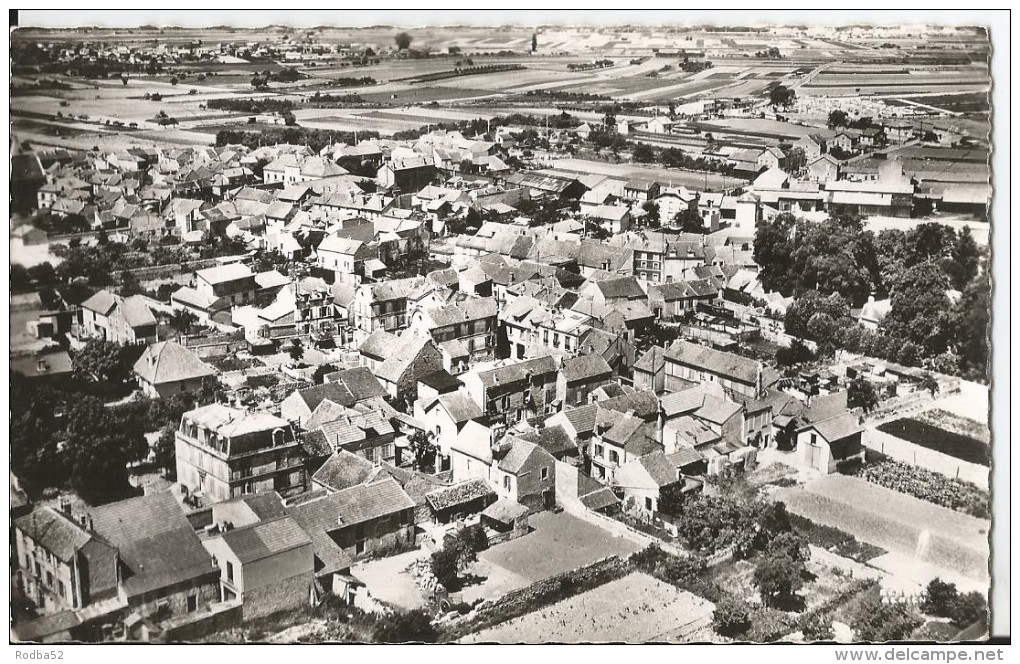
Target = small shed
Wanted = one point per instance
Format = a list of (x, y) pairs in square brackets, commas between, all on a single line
[(505, 520), (460, 500)]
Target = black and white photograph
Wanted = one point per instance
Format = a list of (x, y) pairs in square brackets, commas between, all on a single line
[(508, 327)]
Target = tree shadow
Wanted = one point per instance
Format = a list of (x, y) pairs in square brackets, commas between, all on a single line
[(793, 603)]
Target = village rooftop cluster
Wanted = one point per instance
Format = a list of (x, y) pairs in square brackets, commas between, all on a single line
[(497, 336)]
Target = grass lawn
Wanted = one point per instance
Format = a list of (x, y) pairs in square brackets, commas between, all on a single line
[(935, 438)]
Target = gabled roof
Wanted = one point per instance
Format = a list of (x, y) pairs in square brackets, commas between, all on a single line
[(837, 428), (170, 362), (717, 362), (54, 531), (659, 468), (460, 407), (224, 273), (553, 440), (155, 540), (585, 367), (519, 453), (265, 539), (582, 418), (102, 302)]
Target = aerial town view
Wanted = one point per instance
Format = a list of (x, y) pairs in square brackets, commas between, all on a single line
[(520, 333)]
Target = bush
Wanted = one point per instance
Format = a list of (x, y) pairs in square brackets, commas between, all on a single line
[(942, 599), (874, 620), (732, 616), (939, 598), (969, 609), (817, 627), (768, 626), (410, 626)]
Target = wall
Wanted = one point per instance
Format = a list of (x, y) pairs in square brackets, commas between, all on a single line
[(281, 595), (541, 593), (217, 618)]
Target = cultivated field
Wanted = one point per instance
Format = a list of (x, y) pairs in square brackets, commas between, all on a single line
[(635, 609), (895, 522), (695, 179)]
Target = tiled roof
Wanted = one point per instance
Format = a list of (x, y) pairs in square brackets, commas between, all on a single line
[(155, 539), (838, 427), (170, 362), (582, 418), (585, 367), (265, 539), (714, 361), (659, 468), (53, 531), (460, 406), (519, 453)]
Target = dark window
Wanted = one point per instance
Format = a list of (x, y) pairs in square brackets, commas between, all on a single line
[(230, 572), (192, 603)]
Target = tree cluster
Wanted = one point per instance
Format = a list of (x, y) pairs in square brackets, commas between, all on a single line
[(942, 599), (833, 266)]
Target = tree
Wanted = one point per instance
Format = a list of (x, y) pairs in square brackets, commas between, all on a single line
[(939, 598), (296, 351), (797, 353), (182, 321), (413, 626), (423, 449), (403, 41), (289, 119), (732, 616), (102, 361), (124, 79), (671, 499), (534, 42), (166, 452), (319, 375), (837, 118), (968, 609), (967, 257), (173, 80), (861, 393), (782, 96), (445, 566), (20, 279), (928, 384), (777, 577), (98, 449), (643, 153), (210, 390)]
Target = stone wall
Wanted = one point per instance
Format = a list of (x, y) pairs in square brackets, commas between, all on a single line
[(290, 593)]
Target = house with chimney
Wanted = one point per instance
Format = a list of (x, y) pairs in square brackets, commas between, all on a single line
[(224, 452)]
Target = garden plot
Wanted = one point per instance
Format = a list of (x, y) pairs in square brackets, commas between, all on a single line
[(895, 522), (942, 433), (635, 609)]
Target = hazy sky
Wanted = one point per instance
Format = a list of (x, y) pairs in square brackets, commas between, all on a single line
[(471, 16)]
